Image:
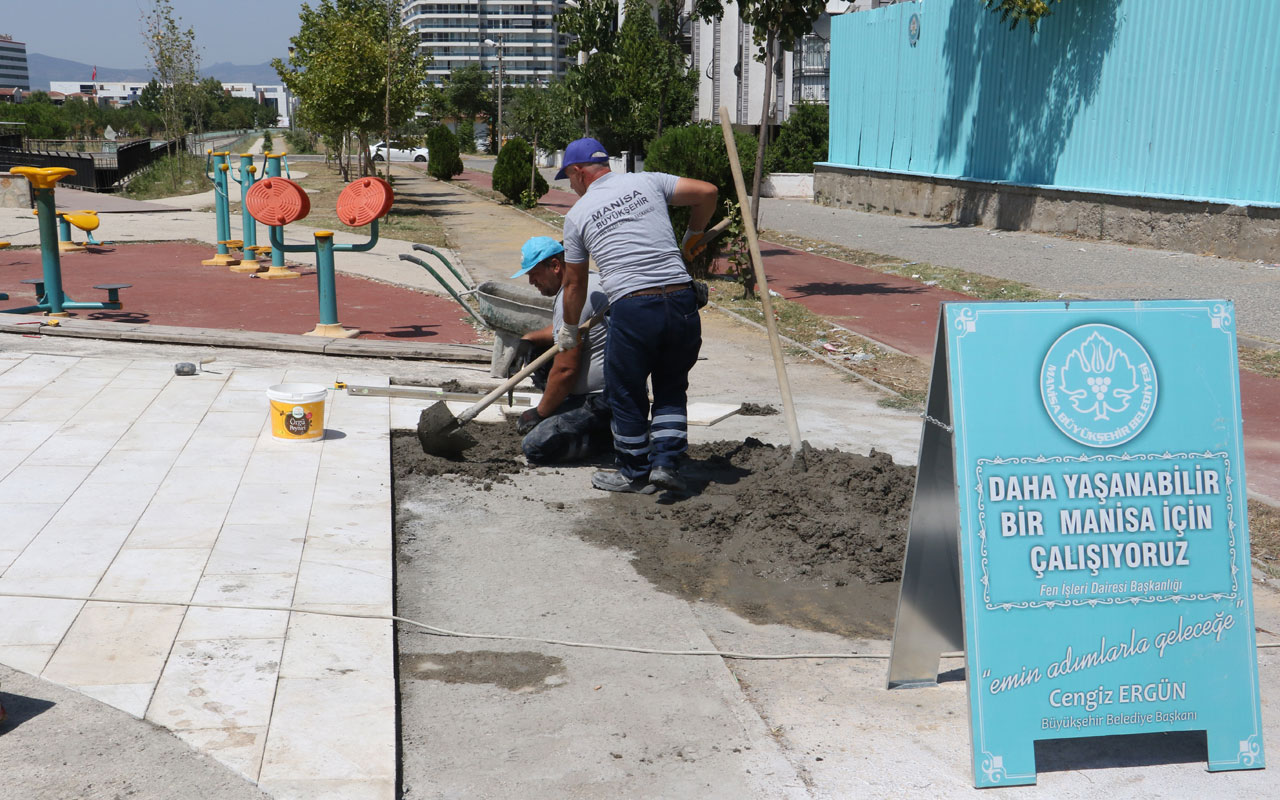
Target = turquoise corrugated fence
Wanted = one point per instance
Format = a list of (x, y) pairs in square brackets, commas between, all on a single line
[(1169, 98)]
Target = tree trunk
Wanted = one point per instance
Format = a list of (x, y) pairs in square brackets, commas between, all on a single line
[(765, 116), (533, 168)]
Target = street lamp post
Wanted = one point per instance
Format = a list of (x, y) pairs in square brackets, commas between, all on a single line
[(498, 44)]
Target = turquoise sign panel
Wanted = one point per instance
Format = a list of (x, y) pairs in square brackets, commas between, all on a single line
[(1104, 539)]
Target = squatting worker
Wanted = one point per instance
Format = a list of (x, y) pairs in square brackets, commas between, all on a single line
[(654, 331), (571, 421)]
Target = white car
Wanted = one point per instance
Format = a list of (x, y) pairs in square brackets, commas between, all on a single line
[(399, 152)]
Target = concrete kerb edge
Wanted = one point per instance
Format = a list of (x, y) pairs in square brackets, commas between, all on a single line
[(258, 341)]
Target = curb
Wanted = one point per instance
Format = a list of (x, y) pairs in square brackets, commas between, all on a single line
[(256, 340)]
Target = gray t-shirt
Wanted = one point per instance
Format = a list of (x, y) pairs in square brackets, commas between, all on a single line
[(591, 368), (621, 221)]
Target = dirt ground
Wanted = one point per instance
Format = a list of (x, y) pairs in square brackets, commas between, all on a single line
[(818, 548)]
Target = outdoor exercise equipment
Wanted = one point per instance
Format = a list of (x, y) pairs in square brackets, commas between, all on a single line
[(49, 295), (276, 202), (272, 164), (216, 169), (86, 221), (246, 177)]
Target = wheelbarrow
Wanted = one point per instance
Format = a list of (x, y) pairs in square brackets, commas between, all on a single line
[(508, 310)]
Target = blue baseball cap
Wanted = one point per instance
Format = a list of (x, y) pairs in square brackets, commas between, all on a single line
[(537, 250), (582, 151)]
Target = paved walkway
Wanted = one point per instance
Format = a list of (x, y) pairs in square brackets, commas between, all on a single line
[(123, 481)]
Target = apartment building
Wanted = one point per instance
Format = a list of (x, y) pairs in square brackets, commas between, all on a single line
[(729, 75), (13, 64), (522, 32)]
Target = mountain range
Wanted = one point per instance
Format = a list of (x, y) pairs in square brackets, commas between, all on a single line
[(43, 69)]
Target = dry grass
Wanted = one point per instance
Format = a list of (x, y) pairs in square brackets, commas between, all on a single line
[(411, 217), (907, 376), (980, 287), (1262, 361), (1264, 536)]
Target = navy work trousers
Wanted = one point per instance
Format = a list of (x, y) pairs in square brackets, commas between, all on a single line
[(578, 430), (654, 338)]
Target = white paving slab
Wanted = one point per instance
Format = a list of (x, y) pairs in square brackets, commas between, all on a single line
[(122, 481)]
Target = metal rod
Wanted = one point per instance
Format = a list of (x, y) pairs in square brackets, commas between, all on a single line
[(325, 279), (50, 263), (425, 248), (445, 284)]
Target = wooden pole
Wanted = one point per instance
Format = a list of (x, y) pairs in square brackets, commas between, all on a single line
[(766, 302)]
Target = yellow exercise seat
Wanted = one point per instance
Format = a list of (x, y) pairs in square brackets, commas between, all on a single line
[(84, 220)]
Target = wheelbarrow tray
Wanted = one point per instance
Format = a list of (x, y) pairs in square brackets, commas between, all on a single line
[(511, 308)]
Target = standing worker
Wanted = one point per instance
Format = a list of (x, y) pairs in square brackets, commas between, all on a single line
[(654, 330), (571, 421)]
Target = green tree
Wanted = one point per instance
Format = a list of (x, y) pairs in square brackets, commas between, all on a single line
[(150, 97), (543, 116), (802, 141), (593, 26), (774, 24), (466, 135), (652, 83), (513, 176), (175, 60), (698, 151), (353, 71), (1014, 11), (636, 84), (442, 154), (467, 91)]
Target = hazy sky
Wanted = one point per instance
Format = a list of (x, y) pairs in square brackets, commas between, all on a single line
[(109, 32)]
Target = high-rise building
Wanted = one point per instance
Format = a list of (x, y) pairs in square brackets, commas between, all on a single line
[(13, 64), (523, 31)]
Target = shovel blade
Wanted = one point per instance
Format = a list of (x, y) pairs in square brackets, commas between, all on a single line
[(440, 433)]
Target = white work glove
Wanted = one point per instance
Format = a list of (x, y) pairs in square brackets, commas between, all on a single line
[(567, 336), (689, 245)]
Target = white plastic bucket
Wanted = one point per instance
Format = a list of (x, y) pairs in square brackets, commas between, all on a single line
[(297, 411)]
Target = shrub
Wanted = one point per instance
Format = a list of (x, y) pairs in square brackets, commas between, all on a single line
[(698, 151), (801, 141), (442, 154), (267, 143), (299, 141), (512, 170), (467, 136)]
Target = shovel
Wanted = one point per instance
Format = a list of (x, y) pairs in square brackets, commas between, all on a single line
[(440, 432)]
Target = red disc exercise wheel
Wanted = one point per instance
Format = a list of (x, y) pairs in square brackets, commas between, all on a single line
[(363, 201), (277, 201)]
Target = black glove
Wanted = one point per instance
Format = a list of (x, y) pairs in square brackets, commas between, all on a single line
[(528, 421), (525, 352)]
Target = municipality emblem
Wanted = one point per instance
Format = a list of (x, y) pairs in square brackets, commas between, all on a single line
[(1098, 385)]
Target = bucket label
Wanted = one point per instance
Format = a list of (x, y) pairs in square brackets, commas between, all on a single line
[(298, 421)]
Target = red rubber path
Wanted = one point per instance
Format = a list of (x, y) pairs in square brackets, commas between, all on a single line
[(170, 287)]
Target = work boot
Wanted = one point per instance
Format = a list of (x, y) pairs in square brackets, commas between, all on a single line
[(667, 478), (616, 482)]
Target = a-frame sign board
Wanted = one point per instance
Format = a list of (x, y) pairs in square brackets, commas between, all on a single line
[(1079, 528)]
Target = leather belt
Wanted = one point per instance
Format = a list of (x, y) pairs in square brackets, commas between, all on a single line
[(670, 288)]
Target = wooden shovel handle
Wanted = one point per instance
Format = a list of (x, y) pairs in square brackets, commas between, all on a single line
[(530, 368)]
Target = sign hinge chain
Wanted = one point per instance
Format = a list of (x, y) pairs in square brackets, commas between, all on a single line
[(937, 422)]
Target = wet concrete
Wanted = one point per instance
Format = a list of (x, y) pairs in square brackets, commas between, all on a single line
[(517, 672)]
